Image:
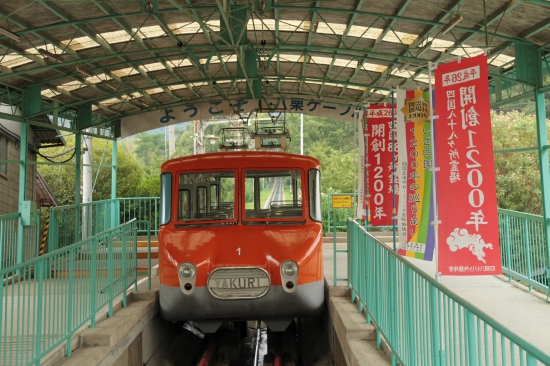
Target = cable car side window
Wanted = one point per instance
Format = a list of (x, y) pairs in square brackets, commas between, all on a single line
[(165, 198), (315, 195), (206, 196), (184, 204), (273, 194)]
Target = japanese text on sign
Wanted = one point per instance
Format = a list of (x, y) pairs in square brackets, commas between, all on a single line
[(469, 229), (342, 201)]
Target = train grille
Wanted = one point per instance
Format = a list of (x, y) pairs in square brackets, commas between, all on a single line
[(238, 283)]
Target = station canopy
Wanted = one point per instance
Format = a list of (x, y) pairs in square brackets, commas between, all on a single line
[(123, 57)]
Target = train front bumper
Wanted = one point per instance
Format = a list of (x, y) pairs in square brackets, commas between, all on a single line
[(306, 301)]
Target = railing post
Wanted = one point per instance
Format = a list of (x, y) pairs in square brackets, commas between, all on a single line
[(124, 273), (39, 271), (110, 268), (508, 246), (156, 200), (410, 306), (528, 251), (70, 301), (148, 255), (93, 295), (471, 343), (434, 326)]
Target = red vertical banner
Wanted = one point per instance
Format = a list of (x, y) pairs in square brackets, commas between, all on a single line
[(467, 204), (381, 149)]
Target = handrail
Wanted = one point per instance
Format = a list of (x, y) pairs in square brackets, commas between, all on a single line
[(524, 249), (434, 325), (9, 225), (45, 300)]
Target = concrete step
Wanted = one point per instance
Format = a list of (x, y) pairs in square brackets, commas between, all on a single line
[(143, 255), (144, 238), (338, 245), (338, 234), (330, 239), (144, 243)]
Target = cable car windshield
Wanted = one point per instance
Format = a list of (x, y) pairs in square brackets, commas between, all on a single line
[(206, 196), (273, 194)]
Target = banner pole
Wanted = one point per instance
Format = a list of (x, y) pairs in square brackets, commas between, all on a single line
[(434, 169), (393, 211)]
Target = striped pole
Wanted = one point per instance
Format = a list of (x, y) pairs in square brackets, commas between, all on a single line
[(44, 236)]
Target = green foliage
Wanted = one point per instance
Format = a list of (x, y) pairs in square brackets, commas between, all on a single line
[(339, 135), (62, 177), (517, 173)]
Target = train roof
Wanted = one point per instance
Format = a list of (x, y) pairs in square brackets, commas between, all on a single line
[(241, 159)]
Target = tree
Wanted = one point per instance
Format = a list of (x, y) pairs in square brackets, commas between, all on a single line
[(517, 173), (62, 177)]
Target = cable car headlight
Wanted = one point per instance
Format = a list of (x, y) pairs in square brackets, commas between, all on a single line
[(187, 270), (289, 269), (187, 276)]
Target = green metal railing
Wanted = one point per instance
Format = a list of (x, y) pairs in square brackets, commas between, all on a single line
[(8, 239), (72, 223), (68, 223), (524, 248), (422, 321), (44, 301), (142, 208)]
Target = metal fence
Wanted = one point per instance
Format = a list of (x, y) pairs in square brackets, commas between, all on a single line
[(143, 209), (524, 248), (44, 301), (422, 321), (9, 239), (72, 223)]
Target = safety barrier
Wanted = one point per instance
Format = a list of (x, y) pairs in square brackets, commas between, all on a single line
[(142, 208), (8, 239), (422, 322), (72, 223), (524, 248), (44, 301)]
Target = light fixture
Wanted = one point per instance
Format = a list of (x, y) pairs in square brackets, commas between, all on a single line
[(424, 48), (48, 54), (211, 138), (12, 35), (452, 23), (84, 71)]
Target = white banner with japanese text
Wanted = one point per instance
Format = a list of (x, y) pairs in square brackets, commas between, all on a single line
[(139, 123)]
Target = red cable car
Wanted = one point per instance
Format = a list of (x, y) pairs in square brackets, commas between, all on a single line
[(240, 238)]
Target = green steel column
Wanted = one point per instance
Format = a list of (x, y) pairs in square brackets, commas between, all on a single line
[(78, 183), (30, 105), (114, 214), (542, 142), (23, 155)]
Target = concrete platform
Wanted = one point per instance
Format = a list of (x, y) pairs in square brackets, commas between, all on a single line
[(511, 304)]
